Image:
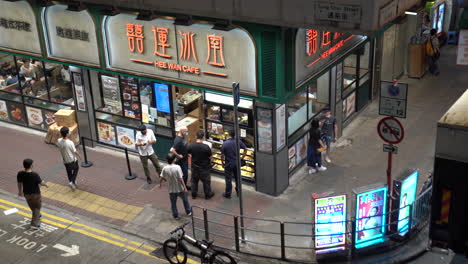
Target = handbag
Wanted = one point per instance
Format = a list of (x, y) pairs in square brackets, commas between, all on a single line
[(429, 49)]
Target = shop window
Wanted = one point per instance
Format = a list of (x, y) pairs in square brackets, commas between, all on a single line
[(349, 70), (109, 101), (8, 74), (364, 63), (297, 112), (155, 103), (188, 109), (32, 78), (59, 82), (319, 94)]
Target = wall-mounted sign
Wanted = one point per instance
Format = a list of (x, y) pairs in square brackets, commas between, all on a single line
[(329, 11), (70, 35), (79, 91), (316, 49), (195, 54), (18, 27), (387, 13), (462, 51), (407, 197)]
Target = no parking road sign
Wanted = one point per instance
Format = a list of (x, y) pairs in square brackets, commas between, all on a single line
[(393, 99), (390, 130)]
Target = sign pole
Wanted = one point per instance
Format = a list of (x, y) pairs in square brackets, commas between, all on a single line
[(389, 173), (236, 95)]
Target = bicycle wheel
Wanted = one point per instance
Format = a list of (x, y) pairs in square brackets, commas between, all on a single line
[(220, 257), (175, 252)]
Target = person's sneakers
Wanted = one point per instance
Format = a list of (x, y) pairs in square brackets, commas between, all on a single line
[(36, 227), (322, 168), (312, 171), (226, 196), (327, 159), (190, 214), (72, 186), (209, 196)]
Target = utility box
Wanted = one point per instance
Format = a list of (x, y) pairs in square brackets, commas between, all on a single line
[(449, 217)]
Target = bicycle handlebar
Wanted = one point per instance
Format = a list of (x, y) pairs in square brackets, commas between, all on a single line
[(180, 228)]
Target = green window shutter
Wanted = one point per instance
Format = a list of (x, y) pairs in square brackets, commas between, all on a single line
[(269, 64)]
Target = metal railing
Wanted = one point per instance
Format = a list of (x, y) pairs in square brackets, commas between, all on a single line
[(296, 240)]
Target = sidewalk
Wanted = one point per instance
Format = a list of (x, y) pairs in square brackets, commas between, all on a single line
[(359, 161)]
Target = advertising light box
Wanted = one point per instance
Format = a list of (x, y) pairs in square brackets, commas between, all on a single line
[(161, 92), (407, 197), (330, 227), (370, 218)]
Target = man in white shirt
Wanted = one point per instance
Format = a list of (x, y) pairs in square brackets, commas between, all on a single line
[(144, 140), (69, 156)]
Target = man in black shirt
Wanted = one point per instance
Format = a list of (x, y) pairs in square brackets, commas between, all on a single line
[(180, 150), (28, 185), (201, 165)]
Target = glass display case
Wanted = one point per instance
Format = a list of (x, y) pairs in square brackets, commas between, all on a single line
[(219, 121)]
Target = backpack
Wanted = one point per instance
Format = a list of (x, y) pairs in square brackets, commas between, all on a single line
[(429, 49)]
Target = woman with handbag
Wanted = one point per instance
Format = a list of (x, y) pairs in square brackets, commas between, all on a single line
[(315, 147)]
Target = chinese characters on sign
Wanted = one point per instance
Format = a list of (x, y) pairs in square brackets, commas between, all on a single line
[(338, 12), (16, 25), (187, 51), (69, 33), (315, 49)]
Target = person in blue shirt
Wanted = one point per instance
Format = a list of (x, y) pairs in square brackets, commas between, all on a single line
[(229, 159)]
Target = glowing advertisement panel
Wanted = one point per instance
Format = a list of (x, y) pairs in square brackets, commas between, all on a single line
[(407, 197), (330, 219), (370, 219)]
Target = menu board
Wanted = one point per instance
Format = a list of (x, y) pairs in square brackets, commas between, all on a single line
[(111, 94), (126, 137), (292, 157), (407, 197), (35, 118), (131, 98), (79, 91), (161, 92), (106, 133), (3, 110), (330, 219), (370, 217), (301, 150), (264, 125), (16, 112), (49, 117)]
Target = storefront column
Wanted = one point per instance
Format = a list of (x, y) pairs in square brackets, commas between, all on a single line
[(84, 103)]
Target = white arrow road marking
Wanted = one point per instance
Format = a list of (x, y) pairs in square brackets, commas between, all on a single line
[(70, 251)]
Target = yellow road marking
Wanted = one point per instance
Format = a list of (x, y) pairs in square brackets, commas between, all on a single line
[(86, 233)]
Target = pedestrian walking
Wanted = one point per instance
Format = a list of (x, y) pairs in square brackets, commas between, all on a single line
[(70, 156), (176, 186), (433, 53), (179, 148), (329, 131), (315, 147), (201, 165), (29, 184), (144, 140), (229, 159)]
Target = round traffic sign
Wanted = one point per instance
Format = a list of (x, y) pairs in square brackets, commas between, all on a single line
[(390, 130), (394, 90)]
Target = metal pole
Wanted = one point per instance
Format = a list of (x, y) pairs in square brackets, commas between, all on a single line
[(236, 232), (235, 92), (283, 246), (85, 163), (410, 217), (130, 175), (205, 223), (389, 184)]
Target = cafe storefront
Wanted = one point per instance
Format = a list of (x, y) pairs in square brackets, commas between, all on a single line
[(118, 72)]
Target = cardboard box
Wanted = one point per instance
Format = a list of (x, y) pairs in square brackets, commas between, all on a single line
[(65, 118), (53, 134)]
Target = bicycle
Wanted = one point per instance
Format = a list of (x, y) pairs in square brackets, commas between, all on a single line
[(176, 250)]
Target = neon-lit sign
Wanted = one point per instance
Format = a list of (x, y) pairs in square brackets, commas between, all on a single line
[(370, 217), (330, 223), (315, 49), (407, 197), (195, 54)]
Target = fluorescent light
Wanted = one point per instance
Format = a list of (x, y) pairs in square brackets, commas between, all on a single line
[(411, 13)]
